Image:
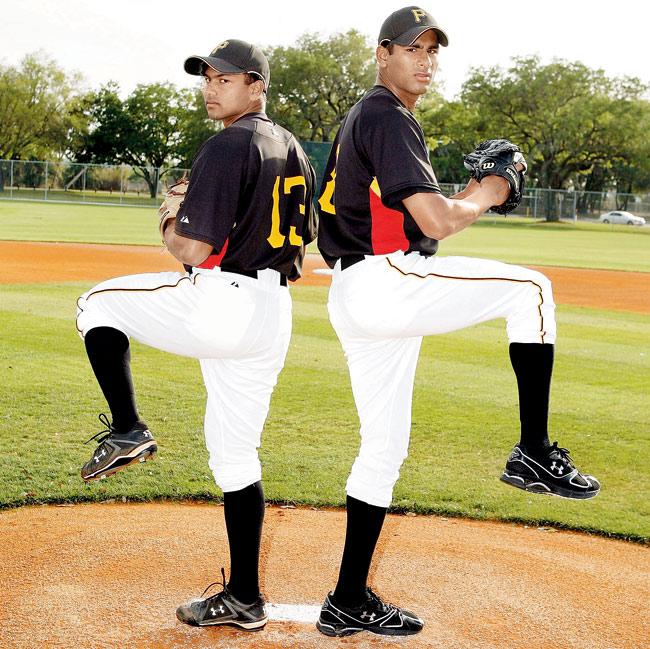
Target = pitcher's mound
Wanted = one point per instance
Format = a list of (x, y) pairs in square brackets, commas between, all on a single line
[(111, 575)]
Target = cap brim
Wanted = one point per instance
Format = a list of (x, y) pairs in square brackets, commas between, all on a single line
[(409, 37), (194, 65)]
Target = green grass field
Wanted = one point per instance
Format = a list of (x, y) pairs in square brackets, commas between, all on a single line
[(464, 417), (464, 413), (34, 221), (584, 245)]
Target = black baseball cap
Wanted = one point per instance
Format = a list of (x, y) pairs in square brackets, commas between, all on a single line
[(405, 26), (232, 57)]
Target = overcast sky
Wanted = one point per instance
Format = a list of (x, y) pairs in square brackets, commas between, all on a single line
[(145, 41)]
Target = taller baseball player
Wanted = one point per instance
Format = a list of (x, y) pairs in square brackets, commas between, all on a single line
[(382, 215), (241, 232)]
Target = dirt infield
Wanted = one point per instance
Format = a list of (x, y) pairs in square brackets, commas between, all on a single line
[(111, 575), (64, 262), (89, 576)]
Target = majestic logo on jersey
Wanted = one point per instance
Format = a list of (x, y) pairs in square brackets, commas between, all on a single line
[(184, 219), (418, 14)]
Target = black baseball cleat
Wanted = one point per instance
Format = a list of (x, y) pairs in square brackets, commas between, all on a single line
[(551, 472), (223, 608), (117, 450), (373, 615)]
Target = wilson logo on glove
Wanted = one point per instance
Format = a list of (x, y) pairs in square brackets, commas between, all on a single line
[(499, 158)]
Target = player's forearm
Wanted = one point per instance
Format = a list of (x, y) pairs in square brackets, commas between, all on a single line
[(439, 217), (463, 193), (187, 251), (458, 215)]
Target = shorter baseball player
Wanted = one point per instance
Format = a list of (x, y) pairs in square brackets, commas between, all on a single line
[(381, 216), (240, 227)]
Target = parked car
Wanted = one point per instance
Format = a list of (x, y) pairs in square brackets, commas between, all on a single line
[(621, 217)]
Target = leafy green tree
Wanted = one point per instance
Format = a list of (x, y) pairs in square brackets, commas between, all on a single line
[(194, 128), (36, 114), (100, 142), (144, 131), (35, 102), (446, 154), (630, 169), (627, 168), (566, 116), (574, 124), (315, 83)]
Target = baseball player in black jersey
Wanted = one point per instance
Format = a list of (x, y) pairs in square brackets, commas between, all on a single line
[(241, 232), (381, 217)]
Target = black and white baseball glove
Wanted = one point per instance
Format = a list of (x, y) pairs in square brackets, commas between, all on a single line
[(499, 158)]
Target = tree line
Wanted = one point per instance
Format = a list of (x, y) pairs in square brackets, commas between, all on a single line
[(578, 127)]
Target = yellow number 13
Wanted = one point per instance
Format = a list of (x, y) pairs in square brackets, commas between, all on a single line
[(276, 238)]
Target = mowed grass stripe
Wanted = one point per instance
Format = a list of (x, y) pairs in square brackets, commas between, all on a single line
[(513, 240)]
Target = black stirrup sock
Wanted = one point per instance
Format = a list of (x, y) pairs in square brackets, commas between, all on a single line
[(110, 357), (244, 513), (364, 523), (533, 366)]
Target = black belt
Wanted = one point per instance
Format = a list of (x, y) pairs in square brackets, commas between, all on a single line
[(351, 260), (253, 274)]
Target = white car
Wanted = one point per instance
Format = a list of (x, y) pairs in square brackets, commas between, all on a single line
[(621, 217)]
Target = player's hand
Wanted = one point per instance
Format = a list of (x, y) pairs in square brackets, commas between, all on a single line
[(498, 185), (471, 187), (499, 158)]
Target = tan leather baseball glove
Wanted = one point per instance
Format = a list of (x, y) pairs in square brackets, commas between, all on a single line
[(174, 197)]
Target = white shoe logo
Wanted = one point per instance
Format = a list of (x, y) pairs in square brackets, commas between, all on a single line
[(147, 434), (368, 616), (184, 219), (220, 609), (557, 467)]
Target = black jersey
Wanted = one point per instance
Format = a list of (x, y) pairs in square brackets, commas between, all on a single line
[(379, 158), (250, 197)]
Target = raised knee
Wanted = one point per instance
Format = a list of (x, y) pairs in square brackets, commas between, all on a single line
[(541, 282)]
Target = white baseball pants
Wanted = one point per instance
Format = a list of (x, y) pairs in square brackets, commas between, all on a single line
[(238, 327), (381, 308)]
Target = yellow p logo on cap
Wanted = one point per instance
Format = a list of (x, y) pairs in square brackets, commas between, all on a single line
[(418, 14)]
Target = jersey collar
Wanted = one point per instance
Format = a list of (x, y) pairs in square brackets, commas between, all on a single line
[(379, 86), (259, 115)]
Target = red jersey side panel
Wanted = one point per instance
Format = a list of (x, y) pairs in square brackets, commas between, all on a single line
[(387, 230)]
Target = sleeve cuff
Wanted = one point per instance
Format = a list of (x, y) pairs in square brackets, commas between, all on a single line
[(393, 198)]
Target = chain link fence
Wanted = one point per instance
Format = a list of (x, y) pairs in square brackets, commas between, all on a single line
[(570, 205), (70, 182)]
